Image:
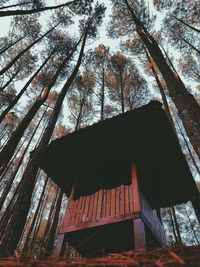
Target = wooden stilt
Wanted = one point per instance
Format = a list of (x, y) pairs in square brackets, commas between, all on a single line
[(139, 234), (60, 246), (61, 241), (138, 224)]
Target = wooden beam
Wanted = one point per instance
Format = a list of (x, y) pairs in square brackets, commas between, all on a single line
[(136, 192), (102, 221), (138, 224)]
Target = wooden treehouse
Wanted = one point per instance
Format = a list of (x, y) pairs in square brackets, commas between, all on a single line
[(117, 173)]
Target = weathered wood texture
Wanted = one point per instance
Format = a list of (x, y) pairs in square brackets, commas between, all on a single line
[(103, 207), (152, 221)]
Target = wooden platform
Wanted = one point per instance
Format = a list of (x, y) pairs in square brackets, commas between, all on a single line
[(103, 207)]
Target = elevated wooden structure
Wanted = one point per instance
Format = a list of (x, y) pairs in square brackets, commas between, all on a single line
[(115, 173)]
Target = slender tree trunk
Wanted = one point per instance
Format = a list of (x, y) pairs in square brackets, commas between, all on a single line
[(16, 99), (12, 62), (23, 4), (22, 205), (28, 234), (172, 224), (5, 141), (54, 224), (188, 149), (196, 206), (122, 92), (51, 215), (31, 11), (13, 158), (102, 95), (176, 225), (192, 228), (187, 106), (38, 223), (183, 22), (78, 120), (191, 45), (11, 179), (10, 80), (8, 150), (10, 45)]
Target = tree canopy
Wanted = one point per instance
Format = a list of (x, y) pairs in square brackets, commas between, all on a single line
[(59, 72)]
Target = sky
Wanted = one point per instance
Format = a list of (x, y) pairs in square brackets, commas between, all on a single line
[(114, 44)]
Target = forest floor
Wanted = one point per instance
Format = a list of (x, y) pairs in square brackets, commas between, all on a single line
[(171, 256)]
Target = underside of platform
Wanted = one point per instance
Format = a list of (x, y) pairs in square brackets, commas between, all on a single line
[(112, 238)]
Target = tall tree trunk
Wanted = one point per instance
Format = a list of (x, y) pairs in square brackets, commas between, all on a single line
[(38, 222), (11, 179), (191, 227), (196, 206), (54, 224), (18, 96), (2, 50), (78, 120), (8, 150), (188, 149), (10, 80), (176, 225), (122, 92), (188, 108), (172, 224), (191, 45), (12, 62), (22, 205), (12, 160), (31, 11), (28, 234), (102, 95), (15, 5), (162, 91), (183, 22), (51, 216)]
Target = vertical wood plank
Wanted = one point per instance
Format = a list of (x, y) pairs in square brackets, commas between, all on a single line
[(74, 212), (122, 199), (91, 207), (69, 210), (136, 193), (99, 205), (104, 204), (126, 191), (87, 203), (82, 209), (95, 206), (108, 201), (117, 200), (113, 190), (131, 198), (78, 210)]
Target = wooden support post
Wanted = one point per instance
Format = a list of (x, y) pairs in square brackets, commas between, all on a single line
[(138, 224), (136, 193), (61, 241), (139, 234), (60, 246)]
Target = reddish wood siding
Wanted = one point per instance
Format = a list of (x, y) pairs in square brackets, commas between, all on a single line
[(104, 204)]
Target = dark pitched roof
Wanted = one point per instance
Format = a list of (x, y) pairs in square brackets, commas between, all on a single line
[(101, 155)]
